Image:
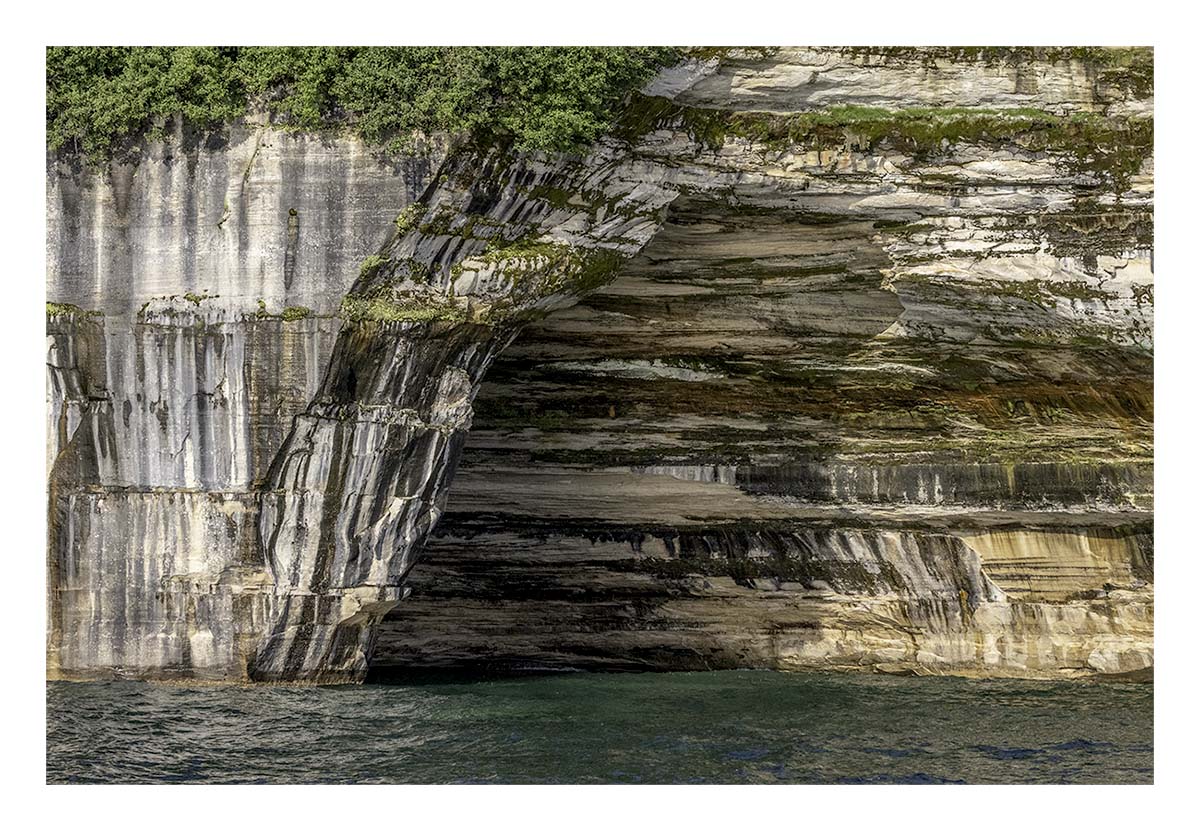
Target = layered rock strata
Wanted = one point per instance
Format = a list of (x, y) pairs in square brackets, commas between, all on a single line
[(844, 392)]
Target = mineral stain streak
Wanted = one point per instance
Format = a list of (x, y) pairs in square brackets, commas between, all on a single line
[(853, 403)]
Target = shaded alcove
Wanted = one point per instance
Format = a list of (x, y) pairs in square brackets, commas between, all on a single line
[(628, 494)]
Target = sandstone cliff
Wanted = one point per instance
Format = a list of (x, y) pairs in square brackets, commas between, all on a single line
[(861, 377)]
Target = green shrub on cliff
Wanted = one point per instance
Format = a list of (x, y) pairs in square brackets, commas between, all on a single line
[(96, 95), (551, 98)]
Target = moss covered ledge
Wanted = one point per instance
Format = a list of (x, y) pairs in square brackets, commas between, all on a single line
[(1111, 149), (389, 305), (54, 310)]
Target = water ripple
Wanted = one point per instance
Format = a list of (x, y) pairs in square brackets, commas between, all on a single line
[(667, 728)]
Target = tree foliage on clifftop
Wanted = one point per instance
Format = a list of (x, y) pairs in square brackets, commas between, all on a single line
[(546, 98)]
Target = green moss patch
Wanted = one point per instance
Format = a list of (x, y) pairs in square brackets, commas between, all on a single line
[(296, 313), (390, 306), (289, 313), (372, 265), (1111, 149), (544, 268), (57, 309)]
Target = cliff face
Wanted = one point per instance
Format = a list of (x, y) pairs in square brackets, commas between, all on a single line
[(174, 376), (848, 387)]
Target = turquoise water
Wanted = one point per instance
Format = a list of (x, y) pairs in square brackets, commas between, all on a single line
[(716, 727)]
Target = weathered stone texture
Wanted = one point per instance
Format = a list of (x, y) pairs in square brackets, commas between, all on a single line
[(850, 404)]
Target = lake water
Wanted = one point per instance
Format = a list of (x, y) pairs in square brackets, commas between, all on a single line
[(715, 727)]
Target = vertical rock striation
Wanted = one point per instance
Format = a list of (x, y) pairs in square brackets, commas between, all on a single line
[(864, 381), (363, 476), (195, 309)]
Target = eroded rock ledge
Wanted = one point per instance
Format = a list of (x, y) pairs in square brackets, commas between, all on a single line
[(844, 393)]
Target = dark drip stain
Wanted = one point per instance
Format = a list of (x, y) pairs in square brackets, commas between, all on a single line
[(290, 246)]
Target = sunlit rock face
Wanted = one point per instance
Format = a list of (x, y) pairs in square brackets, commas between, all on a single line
[(864, 403), (174, 383)]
